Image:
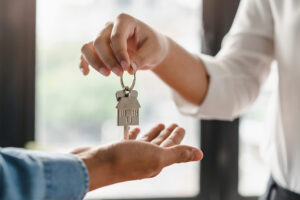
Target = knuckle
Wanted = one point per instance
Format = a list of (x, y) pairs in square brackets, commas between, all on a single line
[(184, 156), (98, 41), (123, 16), (173, 140), (159, 139), (115, 36), (84, 48)]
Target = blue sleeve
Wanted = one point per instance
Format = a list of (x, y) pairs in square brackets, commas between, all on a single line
[(38, 175)]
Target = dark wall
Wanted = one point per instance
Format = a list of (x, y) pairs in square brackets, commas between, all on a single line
[(218, 16), (17, 70)]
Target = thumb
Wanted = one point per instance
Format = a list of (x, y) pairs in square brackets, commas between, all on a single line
[(180, 154)]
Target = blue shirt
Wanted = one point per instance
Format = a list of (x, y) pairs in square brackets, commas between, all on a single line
[(40, 175)]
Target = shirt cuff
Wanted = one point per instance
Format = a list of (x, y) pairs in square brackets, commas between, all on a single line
[(212, 107), (66, 176)]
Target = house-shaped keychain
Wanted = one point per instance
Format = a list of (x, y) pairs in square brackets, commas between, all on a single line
[(128, 109)]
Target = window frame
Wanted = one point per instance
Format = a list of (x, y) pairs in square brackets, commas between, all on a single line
[(17, 72), (219, 139)]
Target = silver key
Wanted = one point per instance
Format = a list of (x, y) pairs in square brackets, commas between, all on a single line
[(127, 109), (128, 105)]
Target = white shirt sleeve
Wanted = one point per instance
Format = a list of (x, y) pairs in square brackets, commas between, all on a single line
[(240, 68)]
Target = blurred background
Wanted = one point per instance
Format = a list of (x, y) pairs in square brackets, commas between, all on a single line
[(47, 104)]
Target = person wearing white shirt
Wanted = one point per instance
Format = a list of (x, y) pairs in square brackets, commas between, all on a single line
[(222, 87)]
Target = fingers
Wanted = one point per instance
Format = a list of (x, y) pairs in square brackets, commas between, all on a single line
[(164, 134), (111, 47), (123, 29), (180, 154), (153, 133), (130, 70), (105, 52), (91, 57), (84, 66), (171, 136), (175, 138), (133, 134)]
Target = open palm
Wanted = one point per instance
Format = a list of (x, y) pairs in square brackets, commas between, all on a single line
[(134, 159)]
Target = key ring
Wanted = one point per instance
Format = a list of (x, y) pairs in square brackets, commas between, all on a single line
[(126, 88)]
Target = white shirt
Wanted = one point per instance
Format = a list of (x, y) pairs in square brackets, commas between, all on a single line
[(263, 30)]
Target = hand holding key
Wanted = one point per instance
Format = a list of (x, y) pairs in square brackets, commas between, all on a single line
[(128, 39), (122, 41)]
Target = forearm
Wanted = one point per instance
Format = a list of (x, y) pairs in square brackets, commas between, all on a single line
[(41, 175), (184, 72)]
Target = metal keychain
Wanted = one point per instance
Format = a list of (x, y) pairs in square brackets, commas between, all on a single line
[(128, 105)]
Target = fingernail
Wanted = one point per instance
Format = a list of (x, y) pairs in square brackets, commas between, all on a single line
[(123, 64), (103, 71), (197, 155), (117, 71)]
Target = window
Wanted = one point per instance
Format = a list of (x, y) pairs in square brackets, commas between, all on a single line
[(73, 110)]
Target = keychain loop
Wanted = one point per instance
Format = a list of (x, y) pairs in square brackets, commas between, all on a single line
[(126, 88)]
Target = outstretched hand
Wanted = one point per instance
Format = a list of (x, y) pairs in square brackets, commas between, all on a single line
[(137, 159)]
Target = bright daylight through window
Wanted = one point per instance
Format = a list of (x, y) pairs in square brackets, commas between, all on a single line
[(73, 110)]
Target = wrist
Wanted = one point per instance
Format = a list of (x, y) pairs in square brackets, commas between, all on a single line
[(98, 169), (166, 46), (184, 72)]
